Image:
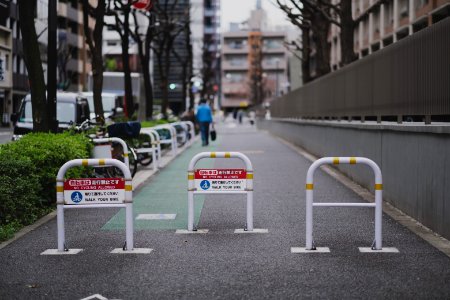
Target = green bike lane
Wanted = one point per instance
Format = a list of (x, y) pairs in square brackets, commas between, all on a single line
[(166, 194)]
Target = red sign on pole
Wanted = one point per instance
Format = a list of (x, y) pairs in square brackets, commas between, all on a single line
[(143, 4)]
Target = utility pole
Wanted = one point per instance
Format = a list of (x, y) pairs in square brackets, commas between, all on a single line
[(277, 61), (51, 65)]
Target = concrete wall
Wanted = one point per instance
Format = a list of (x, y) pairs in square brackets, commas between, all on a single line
[(414, 160)]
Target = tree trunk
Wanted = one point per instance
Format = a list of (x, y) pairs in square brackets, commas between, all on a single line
[(320, 35), (95, 43), (165, 78), (347, 33), (306, 51), (126, 62), (33, 63)]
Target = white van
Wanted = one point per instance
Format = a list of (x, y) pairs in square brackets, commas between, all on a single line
[(111, 104)]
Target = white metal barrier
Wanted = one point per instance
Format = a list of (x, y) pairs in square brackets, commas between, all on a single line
[(153, 148), (157, 142), (184, 135), (191, 130), (248, 185), (62, 202), (310, 193), (100, 152), (173, 137)]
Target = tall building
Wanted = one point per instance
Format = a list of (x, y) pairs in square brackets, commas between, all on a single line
[(385, 23), (254, 63), (73, 61), (6, 74)]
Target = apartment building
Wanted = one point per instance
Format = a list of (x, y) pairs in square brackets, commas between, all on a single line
[(384, 23), (253, 56)]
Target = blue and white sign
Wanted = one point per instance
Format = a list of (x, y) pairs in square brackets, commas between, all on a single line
[(76, 197), (205, 185)]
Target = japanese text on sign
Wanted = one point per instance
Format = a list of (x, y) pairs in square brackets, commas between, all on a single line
[(94, 191), (220, 180)]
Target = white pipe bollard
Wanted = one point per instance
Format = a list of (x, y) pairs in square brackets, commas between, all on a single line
[(173, 136), (126, 153), (157, 142), (153, 147), (191, 130), (248, 189), (310, 194), (127, 203)]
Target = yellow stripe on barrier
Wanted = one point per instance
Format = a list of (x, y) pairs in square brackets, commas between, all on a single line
[(128, 188), (249, 175), (84, 162), (190, 177), (309, 186), (213, 155), (336, 160), (59, 189), (378, 187), (227, 155), (101, 162), (352, 160), (125, 155)]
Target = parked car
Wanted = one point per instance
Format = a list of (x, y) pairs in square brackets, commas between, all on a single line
[(71, 109), (112, 105)]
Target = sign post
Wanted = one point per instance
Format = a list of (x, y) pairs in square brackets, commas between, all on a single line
[(94, 193), (221, 181)]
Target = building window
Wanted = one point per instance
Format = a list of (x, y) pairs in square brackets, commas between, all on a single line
[(6, 62), (404, 8), (272, 43), (237, 44), (235, 77), (420, 3)]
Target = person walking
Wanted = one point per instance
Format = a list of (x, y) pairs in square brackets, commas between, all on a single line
[(204, 119)]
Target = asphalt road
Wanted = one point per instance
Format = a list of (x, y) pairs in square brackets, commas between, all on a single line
[(222, 264)]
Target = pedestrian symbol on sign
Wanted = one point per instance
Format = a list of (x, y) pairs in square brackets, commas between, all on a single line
[(205, 184), (76, 197)]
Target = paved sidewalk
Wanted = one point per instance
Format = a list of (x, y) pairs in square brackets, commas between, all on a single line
[(222, 264)]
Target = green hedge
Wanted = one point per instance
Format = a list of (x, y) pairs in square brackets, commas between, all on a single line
[(28, 169)]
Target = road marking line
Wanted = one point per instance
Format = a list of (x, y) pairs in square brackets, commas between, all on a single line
[(383, 250), (156, 217), (304, 250), (96, 296), (255, 230), (134, 251), (185, 231), (56, 252)]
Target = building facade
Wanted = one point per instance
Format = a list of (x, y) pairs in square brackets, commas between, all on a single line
[(384, 23), (254, 63), (73, 61)]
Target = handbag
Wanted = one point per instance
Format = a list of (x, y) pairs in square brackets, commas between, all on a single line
[(213, 134)]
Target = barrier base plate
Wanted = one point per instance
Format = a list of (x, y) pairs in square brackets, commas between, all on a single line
[(304, 250), (383, 250), (185, 231), (56, 252), (255, 230), (134, 251)]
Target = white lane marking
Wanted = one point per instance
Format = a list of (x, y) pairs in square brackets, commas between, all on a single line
[(56, 252), (134, 251), (383, 250), (156, 217), (255, 230), (303, 250), (96, 296), (185, 231)]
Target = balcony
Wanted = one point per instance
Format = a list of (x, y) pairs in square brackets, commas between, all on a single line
[(234, 66)]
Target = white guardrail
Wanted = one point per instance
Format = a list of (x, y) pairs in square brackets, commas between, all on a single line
[(173, 137), (377, 245), (94, 193), (246, 189)]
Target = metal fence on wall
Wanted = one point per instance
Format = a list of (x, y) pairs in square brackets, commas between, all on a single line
[(408, 78)]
